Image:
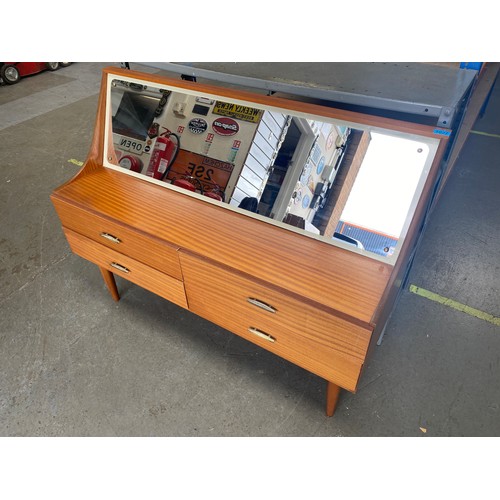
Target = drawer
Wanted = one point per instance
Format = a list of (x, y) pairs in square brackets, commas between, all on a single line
[(162, 284), (144, 248), (298, 330)]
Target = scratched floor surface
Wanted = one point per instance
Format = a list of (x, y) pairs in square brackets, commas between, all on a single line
[(74, 363)]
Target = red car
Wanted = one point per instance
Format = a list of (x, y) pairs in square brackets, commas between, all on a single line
[(11, 72)]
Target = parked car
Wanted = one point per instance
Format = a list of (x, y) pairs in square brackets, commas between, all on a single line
[(348, 239), (12, 72)]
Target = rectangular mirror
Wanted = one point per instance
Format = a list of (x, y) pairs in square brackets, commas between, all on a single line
[(348, 183)]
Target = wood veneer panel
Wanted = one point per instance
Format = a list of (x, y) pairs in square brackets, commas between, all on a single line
[(307, 336), (347, 282), (163, 285), (279, 102), (144, 248)]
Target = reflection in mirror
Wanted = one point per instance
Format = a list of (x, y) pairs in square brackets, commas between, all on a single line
[(352, 187)]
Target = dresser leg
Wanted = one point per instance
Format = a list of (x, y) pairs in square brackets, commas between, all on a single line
[(332, 396), (109, 279)]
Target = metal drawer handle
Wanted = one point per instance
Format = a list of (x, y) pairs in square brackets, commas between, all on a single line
[(261, 334), (262, 305), (120, 267), (110, 237)]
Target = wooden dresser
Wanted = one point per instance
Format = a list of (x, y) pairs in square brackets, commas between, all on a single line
[(319, 305)]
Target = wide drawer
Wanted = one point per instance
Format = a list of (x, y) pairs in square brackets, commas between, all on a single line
[(295, 329), (146, 249), (163, 285)]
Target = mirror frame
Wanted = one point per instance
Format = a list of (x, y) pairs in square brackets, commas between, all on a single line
[(435, 137)]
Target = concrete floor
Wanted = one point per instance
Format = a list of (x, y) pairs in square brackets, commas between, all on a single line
[(74, 363)]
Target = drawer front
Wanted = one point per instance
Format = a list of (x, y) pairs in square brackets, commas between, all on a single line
[(337, 278), (308, 336), (145, 249), (166, 286)]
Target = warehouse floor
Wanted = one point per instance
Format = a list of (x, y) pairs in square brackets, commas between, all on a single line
[(75, 363)]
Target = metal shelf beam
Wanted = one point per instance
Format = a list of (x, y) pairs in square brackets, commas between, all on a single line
[(420, 89)]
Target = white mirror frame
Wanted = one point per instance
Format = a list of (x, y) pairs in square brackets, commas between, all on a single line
[(432, 142)]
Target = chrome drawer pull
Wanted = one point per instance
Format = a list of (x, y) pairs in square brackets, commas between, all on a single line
[(261, 334), (110, 237), (261, 304), (120, 267)]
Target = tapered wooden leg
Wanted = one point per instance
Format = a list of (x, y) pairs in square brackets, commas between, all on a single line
[(332, 396), (109, 279)]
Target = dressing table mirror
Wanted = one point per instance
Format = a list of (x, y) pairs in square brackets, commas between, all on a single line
[(350, 184)]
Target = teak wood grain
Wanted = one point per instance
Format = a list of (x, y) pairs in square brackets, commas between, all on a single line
[(163, 285), (322, 343), (347, 282), (142, 247), (110, 282), (273, 101)]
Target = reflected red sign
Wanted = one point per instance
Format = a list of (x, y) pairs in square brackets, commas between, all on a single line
[(225, 126), (209, 171)]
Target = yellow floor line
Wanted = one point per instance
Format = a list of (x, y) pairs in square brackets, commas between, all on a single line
[(455, 305), (75, 162), (484, 133)]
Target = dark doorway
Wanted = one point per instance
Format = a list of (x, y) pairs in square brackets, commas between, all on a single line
[(279, 170)]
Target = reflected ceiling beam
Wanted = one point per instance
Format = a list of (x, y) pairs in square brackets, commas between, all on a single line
[(425, 90)]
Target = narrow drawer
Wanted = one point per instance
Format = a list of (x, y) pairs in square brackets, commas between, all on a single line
[(166, 286), (146, 249), (308, 336)]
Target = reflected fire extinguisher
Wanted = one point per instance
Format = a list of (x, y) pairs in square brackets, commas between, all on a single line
[(163, 156), (191, 183), (215, 193), (131, 162)]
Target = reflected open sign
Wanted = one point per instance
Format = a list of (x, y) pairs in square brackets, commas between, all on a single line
[(127, 144)]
